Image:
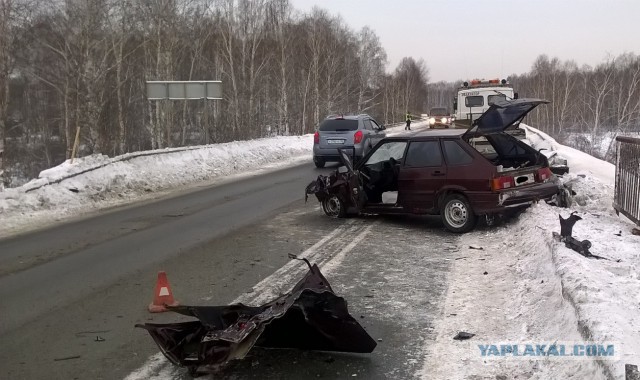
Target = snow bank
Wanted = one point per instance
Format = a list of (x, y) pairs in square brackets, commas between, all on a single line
[(97, 181)]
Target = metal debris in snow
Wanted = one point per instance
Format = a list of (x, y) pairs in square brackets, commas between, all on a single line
[(566, 229), (310, 317), (463, 336)]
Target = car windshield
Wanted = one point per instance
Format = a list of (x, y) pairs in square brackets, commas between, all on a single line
[(390, 149), (440, 111), (338, 125)]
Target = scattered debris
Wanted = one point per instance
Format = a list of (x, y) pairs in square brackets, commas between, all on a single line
[(486, 273), (636, 231), (631, 372), (566, 225), (83, 333), (99, 339), (460, 258), (310, 317), (463, 336), (619, 233), (66, 358), (566, 228), (476, 247)]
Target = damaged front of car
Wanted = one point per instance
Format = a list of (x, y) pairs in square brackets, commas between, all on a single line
[(340, 192)]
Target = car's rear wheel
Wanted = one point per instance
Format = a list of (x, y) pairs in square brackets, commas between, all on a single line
[(319, 162), (334, 207), (457, 215)]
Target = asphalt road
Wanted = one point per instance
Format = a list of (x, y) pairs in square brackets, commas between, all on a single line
[(70, 295)]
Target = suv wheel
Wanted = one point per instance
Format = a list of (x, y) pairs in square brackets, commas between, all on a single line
[(456, 214), (334, 207), (319, 162)]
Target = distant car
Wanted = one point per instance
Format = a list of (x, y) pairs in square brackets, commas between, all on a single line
[(439, 117), (357, 133), (445, 172)]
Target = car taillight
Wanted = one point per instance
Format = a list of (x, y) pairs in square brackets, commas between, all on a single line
[(316, 138), (502, 183), (357, 137), (544, 174)]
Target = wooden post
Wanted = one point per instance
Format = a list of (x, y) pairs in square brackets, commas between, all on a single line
[(75, 144)]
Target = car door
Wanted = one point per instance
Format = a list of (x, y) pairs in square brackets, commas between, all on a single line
[(369, 133), (421, 176), (353, 188), (378, 133)]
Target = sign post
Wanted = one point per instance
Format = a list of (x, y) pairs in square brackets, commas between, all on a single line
[(187, 90)]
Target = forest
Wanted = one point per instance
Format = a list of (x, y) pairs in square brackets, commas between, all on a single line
[(77, 70)]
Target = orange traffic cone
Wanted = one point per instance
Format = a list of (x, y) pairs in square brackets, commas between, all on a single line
[(162, 296)]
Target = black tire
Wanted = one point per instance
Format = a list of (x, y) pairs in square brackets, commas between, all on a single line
[(319, 162), (334, 207), (457, 215)]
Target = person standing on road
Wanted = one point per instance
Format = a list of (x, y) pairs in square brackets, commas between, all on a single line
[(408, 119)]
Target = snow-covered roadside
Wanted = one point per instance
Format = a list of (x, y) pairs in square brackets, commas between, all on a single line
[(97, 182), (536, 290)]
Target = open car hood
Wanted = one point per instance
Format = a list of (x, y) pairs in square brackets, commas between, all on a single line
[(501, 115)]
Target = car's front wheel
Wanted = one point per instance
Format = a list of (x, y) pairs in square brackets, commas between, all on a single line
[(334, 207), (457, 215)]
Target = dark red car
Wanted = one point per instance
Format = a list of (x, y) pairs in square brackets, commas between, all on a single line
[(455, 173)]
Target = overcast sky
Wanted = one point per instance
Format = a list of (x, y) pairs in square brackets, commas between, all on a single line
[(465, 39)]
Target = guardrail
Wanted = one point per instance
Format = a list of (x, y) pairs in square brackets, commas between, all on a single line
[(627, 191)]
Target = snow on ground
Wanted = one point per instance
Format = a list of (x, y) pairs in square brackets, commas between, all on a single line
[(536, 290)]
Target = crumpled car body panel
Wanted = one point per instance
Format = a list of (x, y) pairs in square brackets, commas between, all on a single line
[(310, 317)]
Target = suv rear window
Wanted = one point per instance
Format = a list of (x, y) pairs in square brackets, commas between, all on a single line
[(338, 125), (438, 112)]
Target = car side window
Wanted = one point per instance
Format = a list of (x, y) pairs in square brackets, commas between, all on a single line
[(455, 154), (387, 150), (374, 125), (423, 153)]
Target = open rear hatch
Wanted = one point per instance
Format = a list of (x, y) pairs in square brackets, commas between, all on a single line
[(517, 163), (501, 115)]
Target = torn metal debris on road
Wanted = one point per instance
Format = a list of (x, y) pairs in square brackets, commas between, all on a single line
[(310, 317)]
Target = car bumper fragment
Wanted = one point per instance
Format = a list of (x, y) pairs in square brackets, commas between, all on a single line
[(310, 317), (519, 197)]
